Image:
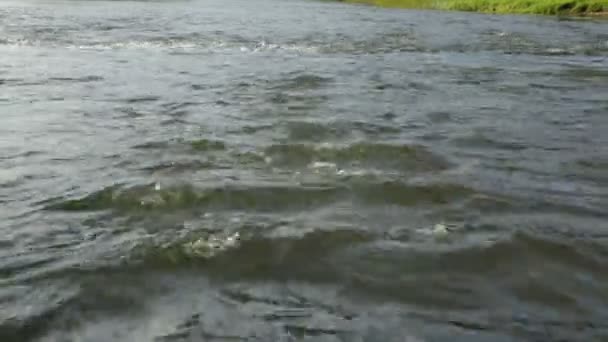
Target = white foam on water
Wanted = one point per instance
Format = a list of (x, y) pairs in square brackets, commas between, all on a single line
[(209, 246)]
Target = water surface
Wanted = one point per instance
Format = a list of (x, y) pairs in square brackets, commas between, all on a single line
[(392, 175)]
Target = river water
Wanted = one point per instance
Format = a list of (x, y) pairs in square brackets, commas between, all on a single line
[(290, 170)]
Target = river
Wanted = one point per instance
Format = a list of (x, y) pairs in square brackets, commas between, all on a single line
[(291, 170)]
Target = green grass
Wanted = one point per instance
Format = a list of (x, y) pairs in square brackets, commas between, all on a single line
[(548, 7)]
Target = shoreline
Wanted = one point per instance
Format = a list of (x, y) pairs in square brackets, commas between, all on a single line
[(570, 8)]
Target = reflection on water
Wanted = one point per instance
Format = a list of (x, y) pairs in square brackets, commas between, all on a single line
[(300, 171)]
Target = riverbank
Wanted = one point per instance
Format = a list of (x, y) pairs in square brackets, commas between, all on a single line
[(547, 7)]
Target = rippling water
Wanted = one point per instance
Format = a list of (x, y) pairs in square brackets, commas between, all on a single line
[(270, 170)]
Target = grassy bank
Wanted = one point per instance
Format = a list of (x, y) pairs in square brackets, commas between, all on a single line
[(549, 7)]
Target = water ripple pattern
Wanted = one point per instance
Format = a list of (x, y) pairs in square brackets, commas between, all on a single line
[(292, 170)]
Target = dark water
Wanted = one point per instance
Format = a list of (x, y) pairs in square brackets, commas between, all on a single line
[(392, 175)]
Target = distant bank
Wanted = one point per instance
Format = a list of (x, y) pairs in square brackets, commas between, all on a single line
[(548, 7)]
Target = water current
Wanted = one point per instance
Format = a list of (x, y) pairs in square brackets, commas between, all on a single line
[(291, 170)]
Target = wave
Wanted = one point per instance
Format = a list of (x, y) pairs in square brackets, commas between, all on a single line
[(370, 261), (266, 256), (462, 274), (481, 140), (358, 188), (449, 275), (326, 131), (379, 45), (407, 158), (172, 45), (150, 198)]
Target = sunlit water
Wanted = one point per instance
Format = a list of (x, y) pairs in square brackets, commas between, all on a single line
[(269, 170)]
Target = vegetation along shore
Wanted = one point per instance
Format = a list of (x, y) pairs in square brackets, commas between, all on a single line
[(548, 7)]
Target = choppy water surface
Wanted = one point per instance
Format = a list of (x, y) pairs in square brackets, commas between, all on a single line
[(269, 170)]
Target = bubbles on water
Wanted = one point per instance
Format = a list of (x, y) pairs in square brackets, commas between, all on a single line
[(324, 145), (209, 246), (319, 166), (440, 231)]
